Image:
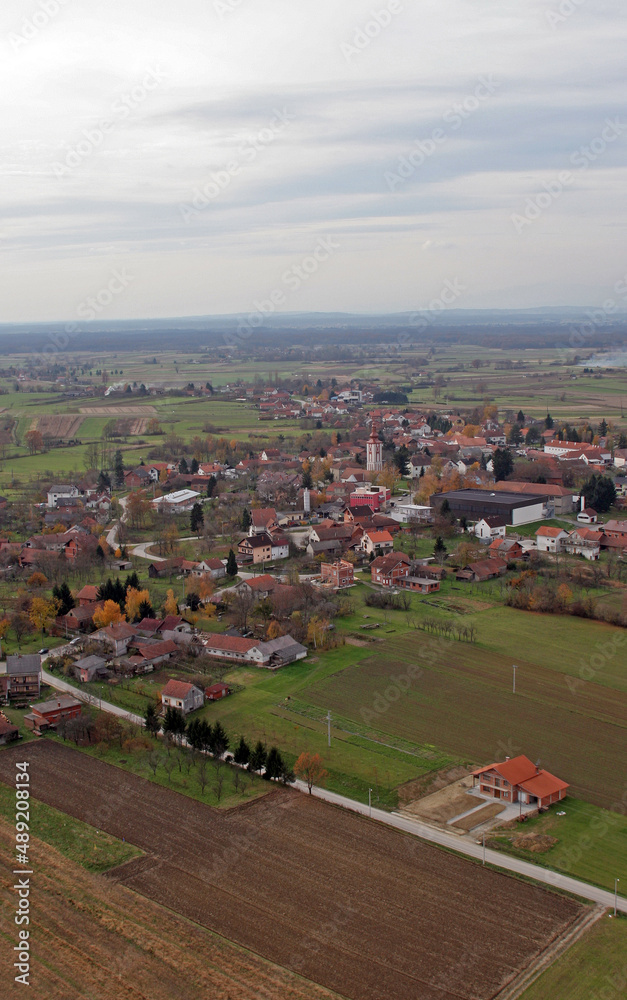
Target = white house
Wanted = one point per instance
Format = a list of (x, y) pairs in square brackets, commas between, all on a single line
[(64, 492), (584, 542), (550, 539), (489, 528)]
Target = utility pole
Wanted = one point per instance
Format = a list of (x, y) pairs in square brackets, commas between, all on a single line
[(370, 803), (329, 728), (484, 848), (616, 881), (514, 684)]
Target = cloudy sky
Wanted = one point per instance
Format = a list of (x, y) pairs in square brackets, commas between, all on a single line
[(204, 150)]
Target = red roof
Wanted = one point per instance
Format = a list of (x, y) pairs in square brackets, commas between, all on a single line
[(544, 784), (230, 643), (549, 532), (376, 537), (177, 689), (88, 593), (150, 650), (520, 771), (217, 689), (264, 582)]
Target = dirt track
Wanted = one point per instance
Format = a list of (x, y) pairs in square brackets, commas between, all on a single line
[(352, 905)]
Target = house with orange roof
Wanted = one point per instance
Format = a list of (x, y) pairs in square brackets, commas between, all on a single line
[(550, 539), (517, 779)]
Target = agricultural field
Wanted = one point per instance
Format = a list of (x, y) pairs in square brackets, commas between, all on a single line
[(94, 939), (594, 967), (288, 882)]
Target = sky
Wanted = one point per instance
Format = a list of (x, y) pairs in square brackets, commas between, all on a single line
[(250, 156)]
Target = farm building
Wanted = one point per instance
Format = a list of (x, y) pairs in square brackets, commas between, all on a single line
[(8, 732), (90, 668), (272, 654), (487, 569), (419, 584), (217, 691), (48, 714), (505, 548), (20, 678), (474, 504), (180, 694), (516, 779), (180, 500), (587, 516)]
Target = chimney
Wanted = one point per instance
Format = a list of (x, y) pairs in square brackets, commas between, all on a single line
[(507, 758)]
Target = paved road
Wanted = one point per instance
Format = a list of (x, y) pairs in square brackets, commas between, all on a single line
[(422, 830), (470, 849)]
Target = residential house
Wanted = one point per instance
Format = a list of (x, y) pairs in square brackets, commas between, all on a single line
[(338, 574), (90, 668), (117, 637), (550, 539), (259, 586), (48, 714), (388, 570), (272, 654), (213, 568), (62, 493), (616, 529), (255, 548), (88, 596), (78, 619), (181, 695), (263, 519), (150, 653), (377, 541), (489, 528), (20, 678), (584, 542), (516, 779), (505, 548), (419, 583)]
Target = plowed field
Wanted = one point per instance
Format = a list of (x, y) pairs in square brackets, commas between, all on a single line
[(355, 906)]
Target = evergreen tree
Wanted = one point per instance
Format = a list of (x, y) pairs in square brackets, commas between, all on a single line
[(515, 436), (118, 469), (219, 740), (307, 480), (64, 596), (231, 564), (193, 468), (548, 422), (193, 601), (104, 481), (502, 463), (145, 610), (520, 417), (197, 519), (603, 428), (132, 580), (439, 549), (274, 764), (258, 757), (246, 519), (212, 482), (183, 469), (241, 754), (151, 720), (599, 493), (174, 722), (100, 552)]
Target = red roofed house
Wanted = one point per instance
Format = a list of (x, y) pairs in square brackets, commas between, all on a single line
[(262, 519), (338, 574), (518, 780), (49, 713), (505, 548), (88, 596), (584, 542), (181, 695), (217, 691), (388, 570), (377, 541), (549, 539)]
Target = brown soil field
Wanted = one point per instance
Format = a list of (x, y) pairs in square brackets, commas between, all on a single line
[(94, 939), (351, 904), (479, 817), (119, 411), (58, 425)]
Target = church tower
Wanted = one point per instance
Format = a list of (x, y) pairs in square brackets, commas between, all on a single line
[(374, 451)]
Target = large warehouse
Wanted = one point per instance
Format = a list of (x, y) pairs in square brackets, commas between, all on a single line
[(474, 504)]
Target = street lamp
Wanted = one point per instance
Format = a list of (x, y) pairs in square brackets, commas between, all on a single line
[(616, 881)]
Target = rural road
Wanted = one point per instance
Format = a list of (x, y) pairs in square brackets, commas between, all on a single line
[(422, 830)]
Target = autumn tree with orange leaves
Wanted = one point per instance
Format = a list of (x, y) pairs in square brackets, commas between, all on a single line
[(108, 614), (309, 768)]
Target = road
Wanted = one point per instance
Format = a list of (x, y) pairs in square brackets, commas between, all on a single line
[(434, 836)]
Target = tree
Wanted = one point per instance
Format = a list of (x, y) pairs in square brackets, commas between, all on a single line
[(36, 579), (183, 469), (118, 469), (274, 764), (258, 757), (246, 519), (174, 722), (503, 464), (151, 720), (108, 614), (401, 460), (134, 601), (63, 595), (599, 493), (34, 441), (439, 549), (212, 482), (170, 606), (231, 564), (194, 466), (241, 754), (515, 436), (21, 625), (548, 422), (104, 481), (309, 768), (43, 612), (219, 740), (196, 519), (520, 418)]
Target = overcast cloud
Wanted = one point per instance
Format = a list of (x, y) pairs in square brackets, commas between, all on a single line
[(206, 147)]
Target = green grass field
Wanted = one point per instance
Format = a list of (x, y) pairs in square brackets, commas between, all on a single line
[(92, 849), (594, 968)]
